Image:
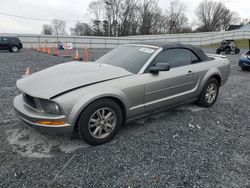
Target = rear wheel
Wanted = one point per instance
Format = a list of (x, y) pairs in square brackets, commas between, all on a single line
[(218, 51), (14, 49), (100, 121), (209, 93), (237, 50)]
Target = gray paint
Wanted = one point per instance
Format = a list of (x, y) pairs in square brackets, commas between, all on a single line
[(140, 93)]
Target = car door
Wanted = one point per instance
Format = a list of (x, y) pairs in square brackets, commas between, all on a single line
[(171, 87), (5, 43)]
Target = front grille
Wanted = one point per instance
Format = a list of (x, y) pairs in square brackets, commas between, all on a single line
[(29, 100)]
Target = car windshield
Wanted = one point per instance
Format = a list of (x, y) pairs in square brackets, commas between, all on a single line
[(132, 58)]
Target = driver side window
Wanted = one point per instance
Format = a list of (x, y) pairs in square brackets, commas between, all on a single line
[(175, 58)]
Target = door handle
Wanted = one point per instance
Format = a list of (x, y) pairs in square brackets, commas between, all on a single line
[(190, 72)]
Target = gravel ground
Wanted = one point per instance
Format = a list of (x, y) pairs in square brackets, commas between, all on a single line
[(184, 147)]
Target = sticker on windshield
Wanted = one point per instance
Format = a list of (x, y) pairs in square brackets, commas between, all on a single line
[(147, 50)]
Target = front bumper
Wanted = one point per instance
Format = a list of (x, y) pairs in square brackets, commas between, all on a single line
[(245, 63), (31, 117)]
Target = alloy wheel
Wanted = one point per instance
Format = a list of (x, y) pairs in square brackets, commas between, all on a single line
[(211, 93), (102, 123)]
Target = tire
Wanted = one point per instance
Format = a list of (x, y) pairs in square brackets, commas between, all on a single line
[(218, 51), (227, 51), (203, 100), (243, 68), (92, 126), (237, 50), (14, 49)]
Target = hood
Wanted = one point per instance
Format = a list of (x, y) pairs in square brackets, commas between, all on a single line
[(67, 76)]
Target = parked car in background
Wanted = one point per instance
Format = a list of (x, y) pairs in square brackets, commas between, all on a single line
[(228, 46), (12, 44), (131, 81), (244, 62)]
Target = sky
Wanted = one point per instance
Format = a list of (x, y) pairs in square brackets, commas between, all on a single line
[(72, 10)]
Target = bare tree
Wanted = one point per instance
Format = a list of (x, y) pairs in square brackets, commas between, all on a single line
[(148, 10), (97, 28), (128, 12), (229, 18), (47, 29), (59, 27), (214, 16), (96, 9), (81, 29), (131, 17), (176, 19), (105, 26), (113, 15)]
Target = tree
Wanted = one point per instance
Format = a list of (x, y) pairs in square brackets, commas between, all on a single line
[(97, 28), (59, 27), (96, 9), (148, 9), (97, 12), (214, 16), (176, 19), (47, 29), (105, 26), (81, 29)]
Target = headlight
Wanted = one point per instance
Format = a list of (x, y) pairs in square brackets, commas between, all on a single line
[(246, 56), (50, 106)]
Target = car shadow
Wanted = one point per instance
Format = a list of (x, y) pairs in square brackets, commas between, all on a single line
[(4, 51)]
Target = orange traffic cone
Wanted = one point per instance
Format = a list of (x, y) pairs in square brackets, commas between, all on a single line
[(67, 52), (86, 55), (77, 57), (49, 51)]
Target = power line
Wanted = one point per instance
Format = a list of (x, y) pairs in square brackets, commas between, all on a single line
[(36, 19)]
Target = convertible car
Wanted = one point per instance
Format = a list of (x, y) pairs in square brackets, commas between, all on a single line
[(131, 81)]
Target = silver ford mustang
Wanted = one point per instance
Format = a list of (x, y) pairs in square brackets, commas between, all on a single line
[(131, 81)]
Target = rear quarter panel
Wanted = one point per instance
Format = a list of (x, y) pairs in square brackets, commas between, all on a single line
[(217, 66)]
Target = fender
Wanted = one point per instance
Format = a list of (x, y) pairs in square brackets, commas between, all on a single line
[(88, 98), (212, 72)]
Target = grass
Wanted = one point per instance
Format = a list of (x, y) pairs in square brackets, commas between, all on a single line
[(241, 43)]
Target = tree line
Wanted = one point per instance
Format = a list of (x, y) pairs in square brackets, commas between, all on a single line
[(142, 17)]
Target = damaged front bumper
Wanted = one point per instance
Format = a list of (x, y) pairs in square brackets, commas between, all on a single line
[(41, 121)]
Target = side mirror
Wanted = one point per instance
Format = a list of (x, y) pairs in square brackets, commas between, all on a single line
[(159, 67)]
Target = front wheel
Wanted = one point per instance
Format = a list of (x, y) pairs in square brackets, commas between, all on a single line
[(100, 122), (14, 49), (218, 51), (209, 93), (243, 68)]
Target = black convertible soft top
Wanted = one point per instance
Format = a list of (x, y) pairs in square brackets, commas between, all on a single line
[(170, 45)]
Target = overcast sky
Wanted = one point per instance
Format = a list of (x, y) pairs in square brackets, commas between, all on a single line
[(77, 10)]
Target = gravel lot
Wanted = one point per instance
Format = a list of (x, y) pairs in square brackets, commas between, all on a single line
[(184, 147)]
